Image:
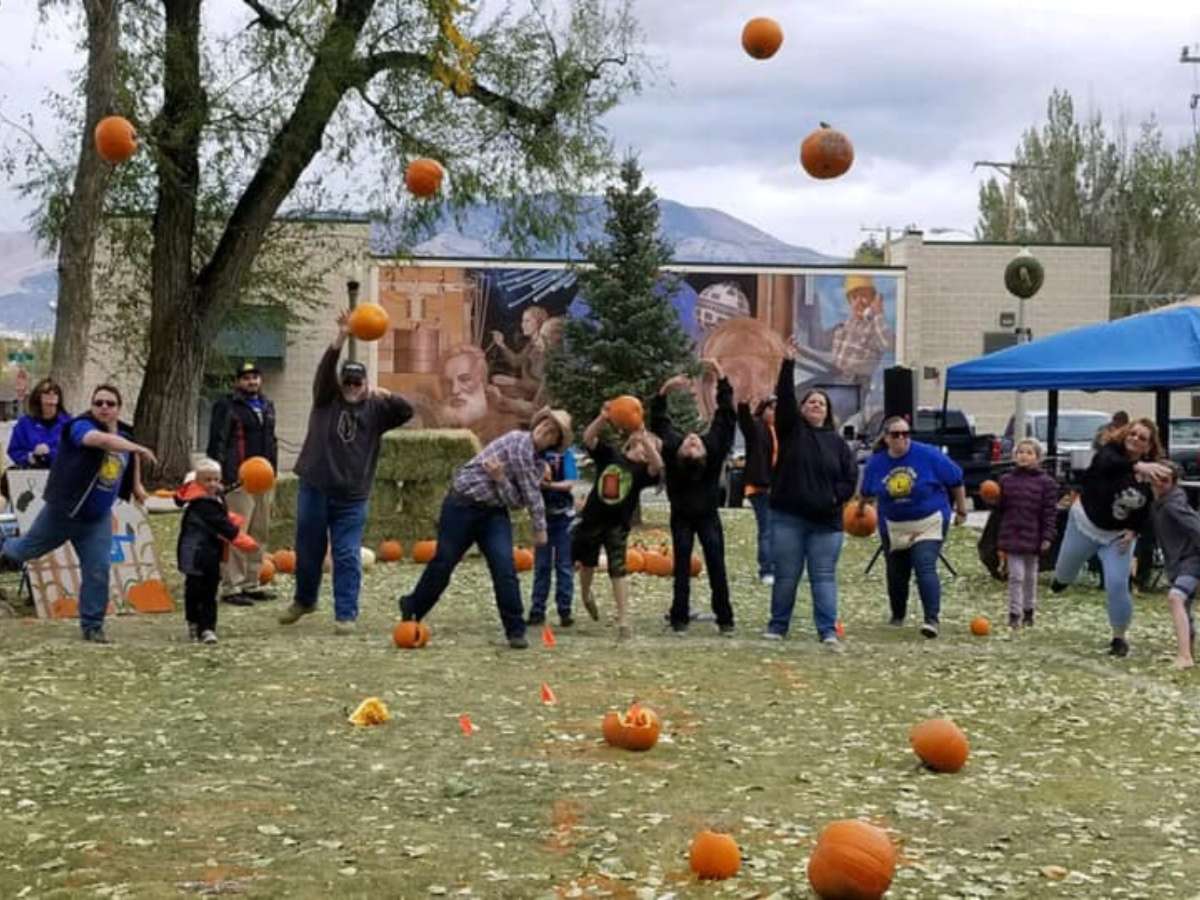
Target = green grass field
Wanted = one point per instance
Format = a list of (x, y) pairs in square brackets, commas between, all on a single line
[(156, 768)]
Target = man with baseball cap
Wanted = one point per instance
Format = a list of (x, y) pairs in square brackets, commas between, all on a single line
[(336, 468), (506, 474), (243, 425)]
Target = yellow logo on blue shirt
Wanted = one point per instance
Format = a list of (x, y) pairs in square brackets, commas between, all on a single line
[(899, 482)]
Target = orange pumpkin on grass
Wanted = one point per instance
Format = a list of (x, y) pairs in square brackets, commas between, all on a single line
[(368, 322), (826, 153), (853, 860), (411, 635), (285, 561), (638, 729), (714, 856), (266, 571), (635, 561), (695, 566), (391, 551), (116, 139), (940, 744), (424, 551), (981, 626)]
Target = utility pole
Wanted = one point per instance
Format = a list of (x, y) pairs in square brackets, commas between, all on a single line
[(1186, 56), (1009, 170)]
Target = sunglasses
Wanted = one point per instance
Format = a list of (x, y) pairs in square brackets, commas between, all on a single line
[(352, 382), (898, 434), (103, 403)]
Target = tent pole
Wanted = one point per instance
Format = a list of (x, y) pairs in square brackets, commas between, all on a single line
[(1162, 417), (1052, 423)]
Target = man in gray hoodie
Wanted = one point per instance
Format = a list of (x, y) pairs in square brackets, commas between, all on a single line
[(1177, 528), (336, 468)]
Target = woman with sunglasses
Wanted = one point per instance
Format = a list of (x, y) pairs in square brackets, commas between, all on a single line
[(913, 483), (814, 475), (1108, 514), (97, 463)]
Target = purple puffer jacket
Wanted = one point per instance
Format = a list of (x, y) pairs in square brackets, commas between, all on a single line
[(1028, 500)]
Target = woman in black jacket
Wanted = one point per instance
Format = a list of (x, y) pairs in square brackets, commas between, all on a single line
[(816, 473), (762, 449)]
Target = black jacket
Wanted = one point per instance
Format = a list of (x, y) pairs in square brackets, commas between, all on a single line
[(696, 490), (236, 433), (816, 472), (1112, 497), (205, 525), (76, 467), (759, 447)]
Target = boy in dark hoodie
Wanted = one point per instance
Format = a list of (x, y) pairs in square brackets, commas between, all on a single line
[(1177, 527), (206, 527), (693, 465)]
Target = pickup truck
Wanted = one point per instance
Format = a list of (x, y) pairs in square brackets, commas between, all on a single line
[(975, 453)]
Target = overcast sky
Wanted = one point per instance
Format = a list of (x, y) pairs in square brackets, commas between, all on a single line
[(922, 88)]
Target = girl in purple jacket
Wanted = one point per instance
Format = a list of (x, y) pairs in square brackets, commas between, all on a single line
[(1028, 503)]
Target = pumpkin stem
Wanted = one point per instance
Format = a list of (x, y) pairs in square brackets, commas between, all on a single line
[(825, 125)]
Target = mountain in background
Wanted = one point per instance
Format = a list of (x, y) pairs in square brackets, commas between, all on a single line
[(29, 281)]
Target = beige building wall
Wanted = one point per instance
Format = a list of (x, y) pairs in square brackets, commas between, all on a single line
[(956, 293)]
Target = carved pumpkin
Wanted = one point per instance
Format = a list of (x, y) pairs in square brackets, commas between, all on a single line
[(658, 564), (635, 561), (826, 153), (423, 177), (859, 522), (641, 726), (980, 626), (391, 551), (714, 855), (762, 37), (371, 711), (285, 561), (625, 412), (610, 727), (853, 860), (989, 491), (522, 559), (695, 566), (368, 322), (940, 744), (266, 571), (150, 596), (116, 139), (257, 475), (410, 635)]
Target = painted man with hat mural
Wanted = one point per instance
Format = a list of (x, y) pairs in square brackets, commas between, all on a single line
[(506, 474), (243, 425)]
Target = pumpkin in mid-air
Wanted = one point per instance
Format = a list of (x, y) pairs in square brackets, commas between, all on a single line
[(826, 153)]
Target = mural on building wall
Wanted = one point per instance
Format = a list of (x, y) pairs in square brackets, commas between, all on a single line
[(845, 327), (469, 345)]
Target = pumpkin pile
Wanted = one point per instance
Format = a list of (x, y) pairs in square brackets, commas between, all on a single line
[(853, 860), (940, 744), (714, 855), (637, 729), (370, 712)]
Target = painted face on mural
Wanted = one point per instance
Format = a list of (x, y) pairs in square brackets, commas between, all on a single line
[(464, 383)]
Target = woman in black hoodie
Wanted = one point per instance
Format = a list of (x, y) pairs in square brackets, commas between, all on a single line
[(816, 473)]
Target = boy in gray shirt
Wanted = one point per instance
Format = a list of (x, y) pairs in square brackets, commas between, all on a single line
[(1177, 528)]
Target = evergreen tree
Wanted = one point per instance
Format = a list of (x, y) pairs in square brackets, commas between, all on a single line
[(631, 341)]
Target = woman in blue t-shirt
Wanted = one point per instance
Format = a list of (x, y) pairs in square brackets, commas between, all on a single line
[(35, 437), (913, 483)]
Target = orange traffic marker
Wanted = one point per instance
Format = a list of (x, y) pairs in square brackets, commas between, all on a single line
[(548, 695), (467, 726), (548, 639)]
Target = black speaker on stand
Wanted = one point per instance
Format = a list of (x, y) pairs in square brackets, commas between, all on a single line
[(899, 393)]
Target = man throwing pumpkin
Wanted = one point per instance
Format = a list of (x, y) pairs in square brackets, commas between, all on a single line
[(336, 468), (506, 474), (608, 512)]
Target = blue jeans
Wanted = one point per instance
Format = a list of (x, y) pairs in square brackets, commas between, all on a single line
[(93, 545), (556, 555), (922, 558), (320, 520), (796, 542), (761, 504), (1077, 548), (462, 524)]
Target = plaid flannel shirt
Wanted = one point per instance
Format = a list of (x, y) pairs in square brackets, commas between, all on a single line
[(522, 481), (858, 345)]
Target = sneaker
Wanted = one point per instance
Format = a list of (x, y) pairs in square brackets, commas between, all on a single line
[(929, 629), (208, 636), (832, 644), (259, 596), (679, 628), (896, 621), (294, 613), (96, 635), (592, 610), (345, 627), (566, 621), (1118, 647), (726, 630), (767, 579), (238, 600), (1027, 618), (406, 613), (193, 632), (1014, 621), (1057, 587), (536, 619), (518, 643), (624, 633), (771, 636)]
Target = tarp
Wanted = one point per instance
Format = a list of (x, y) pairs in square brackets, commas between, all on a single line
[(1144, 352)]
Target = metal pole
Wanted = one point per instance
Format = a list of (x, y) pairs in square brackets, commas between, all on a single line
[(1019, 408), (352, 295)]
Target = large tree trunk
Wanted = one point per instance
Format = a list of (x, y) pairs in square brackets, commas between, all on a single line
[(77, 244)]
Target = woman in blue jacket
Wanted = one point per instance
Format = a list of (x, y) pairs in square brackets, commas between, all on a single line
[(35, 437)]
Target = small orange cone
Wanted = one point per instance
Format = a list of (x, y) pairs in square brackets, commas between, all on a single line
[(548, 639), (840, 629), (548, 695), (467, 726)]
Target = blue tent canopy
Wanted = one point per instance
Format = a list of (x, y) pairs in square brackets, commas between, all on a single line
[(1151, 351)]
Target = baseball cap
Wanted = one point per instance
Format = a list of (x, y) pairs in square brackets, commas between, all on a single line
[(353, 371), (248, 367)]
